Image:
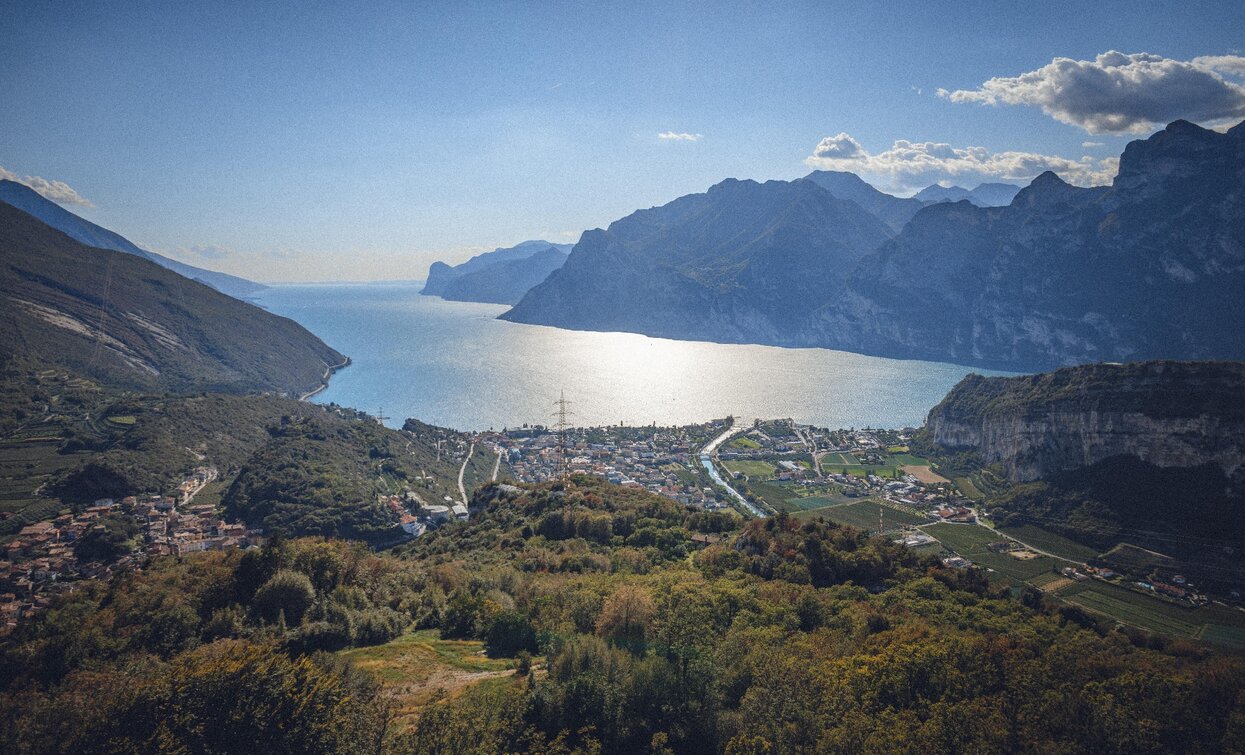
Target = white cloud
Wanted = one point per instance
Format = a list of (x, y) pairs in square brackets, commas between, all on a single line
[(57, 191), (1122, 93), (910, 165), (1092, 145), (680, 137)]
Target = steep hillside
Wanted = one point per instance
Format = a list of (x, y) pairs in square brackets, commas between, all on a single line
[(1169, 414), (505, 282), (742, 262), (483, 278), (1149, 268), (28, 200), (128, 322)]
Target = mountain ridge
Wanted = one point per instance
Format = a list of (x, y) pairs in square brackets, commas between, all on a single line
[(129, 323), (29, 201)]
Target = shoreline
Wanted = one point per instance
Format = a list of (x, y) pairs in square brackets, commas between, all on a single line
[(329, 371)]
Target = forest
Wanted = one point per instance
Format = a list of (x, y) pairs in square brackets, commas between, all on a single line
[(632, 625)]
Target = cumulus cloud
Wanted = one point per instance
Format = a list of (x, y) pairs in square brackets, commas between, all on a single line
[(909, 165), (1118, 93), (57, 191), (680, 136)]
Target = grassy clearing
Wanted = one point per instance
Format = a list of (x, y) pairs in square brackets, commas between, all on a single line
[(415, 666), (743, 441), (1051, 543), (756, 470)]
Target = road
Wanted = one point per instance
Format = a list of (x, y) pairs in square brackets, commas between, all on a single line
[(324, 381), (497, 464), (462, 491), (710, 452)]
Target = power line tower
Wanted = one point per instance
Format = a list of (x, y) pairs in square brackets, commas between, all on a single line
[(380, 415), (562, 414), (881, 508)]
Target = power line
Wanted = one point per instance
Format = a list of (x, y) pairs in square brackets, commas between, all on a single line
[(562, 414)]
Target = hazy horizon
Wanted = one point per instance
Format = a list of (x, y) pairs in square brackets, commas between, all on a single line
[(281, 143)]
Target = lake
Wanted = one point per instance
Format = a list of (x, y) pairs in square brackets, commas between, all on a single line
[(454, 364)]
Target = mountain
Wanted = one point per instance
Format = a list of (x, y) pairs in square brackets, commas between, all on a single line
[(505, 282), (893, 211), (1151, 267), (28, 200), (1168, 414), (501, 276), (985, 195), (742, 262), (128, 322)]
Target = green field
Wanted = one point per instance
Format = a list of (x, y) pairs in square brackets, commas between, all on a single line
[(1232, 637), (755, 470), (967, 487), (862, 515), (744, 441), (970, 542), (1051, 543), (1130, 610)]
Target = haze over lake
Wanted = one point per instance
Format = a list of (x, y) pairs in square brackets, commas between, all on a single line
[(455, 364)]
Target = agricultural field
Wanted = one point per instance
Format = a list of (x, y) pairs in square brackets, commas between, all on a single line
[(890, 466), (863, 515), (970, 542), (755, 470), (1225, 636), (415, 666), (1130, 609), (1050, 542), (969, 490)]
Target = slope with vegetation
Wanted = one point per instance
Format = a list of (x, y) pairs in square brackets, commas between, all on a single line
[(129, 323), (653, 628)]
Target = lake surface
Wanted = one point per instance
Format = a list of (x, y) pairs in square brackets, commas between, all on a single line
[(454, 364)]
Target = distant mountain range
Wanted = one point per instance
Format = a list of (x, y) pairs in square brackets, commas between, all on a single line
[(127, 322), (28, 200), (985, 195), (501, 276), (1150, 267)]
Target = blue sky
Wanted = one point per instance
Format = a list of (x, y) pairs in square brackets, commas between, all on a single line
[(363, 142)]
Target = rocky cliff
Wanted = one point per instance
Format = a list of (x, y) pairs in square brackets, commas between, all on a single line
[(1168, 414)]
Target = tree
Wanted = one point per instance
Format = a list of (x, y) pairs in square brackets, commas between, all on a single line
[(289, 593), (509, 633), (626, 617)]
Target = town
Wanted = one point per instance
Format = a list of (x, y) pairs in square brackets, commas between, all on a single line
[(48, 558)]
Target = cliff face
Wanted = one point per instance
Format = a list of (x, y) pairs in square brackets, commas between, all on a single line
[(1169, 414)]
